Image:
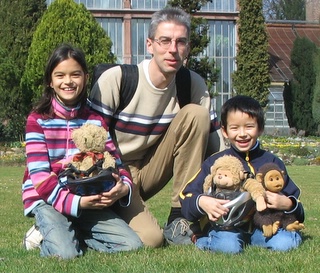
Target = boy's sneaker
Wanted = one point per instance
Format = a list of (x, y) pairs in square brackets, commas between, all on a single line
[(178, 232), (33, 238)]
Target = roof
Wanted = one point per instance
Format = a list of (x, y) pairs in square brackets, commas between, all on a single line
[(281, 38)]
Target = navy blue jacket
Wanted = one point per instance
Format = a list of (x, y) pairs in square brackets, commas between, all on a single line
[(256, 157)]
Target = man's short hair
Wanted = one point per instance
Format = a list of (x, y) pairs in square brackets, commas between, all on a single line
[(169, 14)]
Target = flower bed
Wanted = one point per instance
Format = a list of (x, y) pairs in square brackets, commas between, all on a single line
[(294, 150)]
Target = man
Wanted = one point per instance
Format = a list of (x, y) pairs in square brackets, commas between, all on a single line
[(156, 138)]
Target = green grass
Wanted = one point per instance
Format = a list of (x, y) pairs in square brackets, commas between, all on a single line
[(13, 258)]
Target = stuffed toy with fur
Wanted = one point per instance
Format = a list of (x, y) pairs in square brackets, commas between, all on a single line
[(91, 140), (227, 174), (91, 170), (269, 220)]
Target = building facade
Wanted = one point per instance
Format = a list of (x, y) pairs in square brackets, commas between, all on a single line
[(126, 23)]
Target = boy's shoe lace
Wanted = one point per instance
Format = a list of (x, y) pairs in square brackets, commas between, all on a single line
[(178, 232), (33, 238)]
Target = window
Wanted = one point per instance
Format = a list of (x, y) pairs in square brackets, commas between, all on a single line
[(276, 119), (148, 4), (97, 4), (222, 49), (220, 6), (113, 28), (139, 34)]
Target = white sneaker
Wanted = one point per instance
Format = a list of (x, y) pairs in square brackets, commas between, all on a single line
[(33, 238)]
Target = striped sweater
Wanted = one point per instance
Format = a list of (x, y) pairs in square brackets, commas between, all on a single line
[(148, 115), (49, 148)]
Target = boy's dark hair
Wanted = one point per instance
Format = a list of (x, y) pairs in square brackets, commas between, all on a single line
[(244, 104)]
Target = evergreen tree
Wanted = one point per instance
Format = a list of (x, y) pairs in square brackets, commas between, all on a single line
[(302, 55), (64, 22), (199, 41), (252, 75), (18, 21), (288, 103), (316, 93)]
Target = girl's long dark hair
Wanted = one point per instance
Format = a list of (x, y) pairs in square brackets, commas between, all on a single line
[(61, 53)]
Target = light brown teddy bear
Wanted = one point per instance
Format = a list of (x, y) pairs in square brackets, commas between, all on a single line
[(91, 140), (227, 174)]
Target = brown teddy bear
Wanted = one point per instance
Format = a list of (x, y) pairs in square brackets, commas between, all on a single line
[(91, 170), (227, 174), (269, 220), (91, 140)]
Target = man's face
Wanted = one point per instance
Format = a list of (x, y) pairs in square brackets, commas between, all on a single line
[(169, 47)]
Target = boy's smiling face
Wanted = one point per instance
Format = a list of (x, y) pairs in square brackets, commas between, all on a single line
[(242, 130)]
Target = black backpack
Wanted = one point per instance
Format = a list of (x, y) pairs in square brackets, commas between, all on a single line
[(130, 78)]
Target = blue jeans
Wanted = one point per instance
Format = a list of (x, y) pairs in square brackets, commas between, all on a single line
[(233, 241), (283, 240), (101, 230), (227, 241)]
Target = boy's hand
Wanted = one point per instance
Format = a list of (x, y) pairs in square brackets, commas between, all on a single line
[(278, 201), (213, 207)]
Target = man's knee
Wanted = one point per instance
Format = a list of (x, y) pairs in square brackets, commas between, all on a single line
[(195, 111), (152, 238)]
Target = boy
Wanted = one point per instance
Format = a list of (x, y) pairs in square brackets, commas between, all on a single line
[(242, 122)]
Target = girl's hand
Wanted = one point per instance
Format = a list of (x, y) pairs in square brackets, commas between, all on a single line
[(91, 202), (118, 191), (213, 207), (278, 201)]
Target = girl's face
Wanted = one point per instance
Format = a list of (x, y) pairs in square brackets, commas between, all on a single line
[(242, 130), (68, 81)]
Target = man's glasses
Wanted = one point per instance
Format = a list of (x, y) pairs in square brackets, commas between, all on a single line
[(165, 43)]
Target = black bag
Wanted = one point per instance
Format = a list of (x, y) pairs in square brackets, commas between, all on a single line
[(80, 183)]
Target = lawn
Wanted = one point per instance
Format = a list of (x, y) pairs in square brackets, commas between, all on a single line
[(13, 258)]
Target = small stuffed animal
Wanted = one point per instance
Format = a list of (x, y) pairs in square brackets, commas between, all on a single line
[(90, 171), (91, 140), (269, 220), (227, 174)]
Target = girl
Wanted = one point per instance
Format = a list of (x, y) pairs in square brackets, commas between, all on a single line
[(63, 219)]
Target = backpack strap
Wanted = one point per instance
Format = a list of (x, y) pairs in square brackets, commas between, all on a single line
[(129, 83), (183, 85)]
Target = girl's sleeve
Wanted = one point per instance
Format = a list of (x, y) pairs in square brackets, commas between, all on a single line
[(44, 173)]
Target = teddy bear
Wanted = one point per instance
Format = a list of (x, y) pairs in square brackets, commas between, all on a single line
[(91, 139), (270, 220), (227, 175), (90, 171)]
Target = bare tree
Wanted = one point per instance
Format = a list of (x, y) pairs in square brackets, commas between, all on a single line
[(284, 9)]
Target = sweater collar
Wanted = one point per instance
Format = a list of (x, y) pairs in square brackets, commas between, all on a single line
[(252, 153), (64, 111)]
